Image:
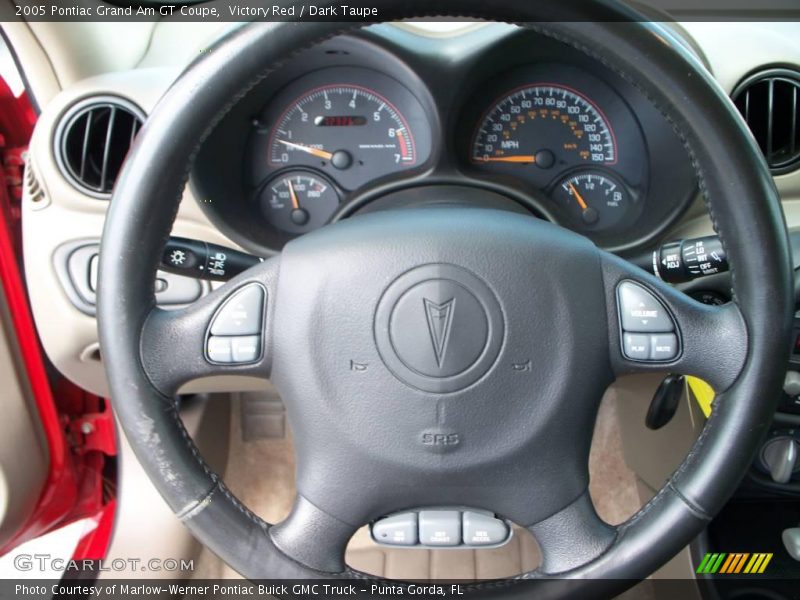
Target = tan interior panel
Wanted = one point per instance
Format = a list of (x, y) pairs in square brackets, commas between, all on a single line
[(78, 50), (22, 473), (58, 55), (41, 79), (61, 214), (145, 528)]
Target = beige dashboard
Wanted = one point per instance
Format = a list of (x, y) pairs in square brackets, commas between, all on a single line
[(60, 213)]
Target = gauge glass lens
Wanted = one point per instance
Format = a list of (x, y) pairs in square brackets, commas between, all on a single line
[(543, 125), (297, 202), (353, 125), (595, 200), (343, 126)]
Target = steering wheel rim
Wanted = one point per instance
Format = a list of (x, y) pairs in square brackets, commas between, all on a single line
[(729, 169)]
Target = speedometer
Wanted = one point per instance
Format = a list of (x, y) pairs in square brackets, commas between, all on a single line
[(544, 125)]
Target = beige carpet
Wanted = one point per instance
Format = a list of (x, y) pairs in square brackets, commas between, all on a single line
[(260, 471), (612, 485)]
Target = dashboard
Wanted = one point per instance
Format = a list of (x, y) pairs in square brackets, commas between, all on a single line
[(445, 88), (501, 117)]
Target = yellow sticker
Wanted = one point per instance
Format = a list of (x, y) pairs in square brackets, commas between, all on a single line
[(703, 393)]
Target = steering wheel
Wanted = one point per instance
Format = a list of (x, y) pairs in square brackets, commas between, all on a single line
[(395, 338)]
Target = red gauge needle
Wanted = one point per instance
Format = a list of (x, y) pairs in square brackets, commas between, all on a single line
[(293, 195), (528, 159), (309, 150)]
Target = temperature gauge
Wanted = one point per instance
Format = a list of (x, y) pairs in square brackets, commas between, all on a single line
[(297, 202), (595, 199)]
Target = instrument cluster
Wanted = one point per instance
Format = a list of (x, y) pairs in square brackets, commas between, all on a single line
[(565, 136), (360, 118), (329, 134)]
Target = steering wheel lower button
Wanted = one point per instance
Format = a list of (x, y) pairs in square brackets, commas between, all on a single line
[(398, 530), (479, 529), (440, 527), (640, 311)]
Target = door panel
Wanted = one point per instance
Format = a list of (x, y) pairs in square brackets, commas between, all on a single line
[(24, 458)]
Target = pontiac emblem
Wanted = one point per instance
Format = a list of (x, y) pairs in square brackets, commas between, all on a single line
[(440, 319)]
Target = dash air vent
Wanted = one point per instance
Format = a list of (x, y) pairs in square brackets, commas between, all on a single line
[(92, 141), (769, 101), (32, 186)]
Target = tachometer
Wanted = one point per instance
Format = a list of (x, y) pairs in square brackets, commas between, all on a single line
[(544, 125), (354, 125), (344, 126)]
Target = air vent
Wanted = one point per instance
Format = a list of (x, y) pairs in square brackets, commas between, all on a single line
[(769, 102), (33, 188), (93, 140)]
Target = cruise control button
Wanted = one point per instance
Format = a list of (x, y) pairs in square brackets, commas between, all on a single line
[(636, 346), (440, 527), (245, 348), (399, 530), (242, 313), (663, 347), (641, 311), (219, 349), (483, 530)]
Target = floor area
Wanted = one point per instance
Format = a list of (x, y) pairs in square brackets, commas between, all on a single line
[(260, 445)]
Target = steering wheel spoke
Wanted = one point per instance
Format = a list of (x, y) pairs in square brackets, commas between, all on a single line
[(655, 327), (572, 537), (313, 537), (225, 333)]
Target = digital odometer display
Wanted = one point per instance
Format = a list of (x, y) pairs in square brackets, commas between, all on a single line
[(544, 124), (340, 121)]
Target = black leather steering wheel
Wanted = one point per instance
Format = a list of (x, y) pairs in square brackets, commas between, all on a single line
[(513, 288)]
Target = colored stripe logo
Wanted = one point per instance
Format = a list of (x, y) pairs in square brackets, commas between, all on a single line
[(734, 563)]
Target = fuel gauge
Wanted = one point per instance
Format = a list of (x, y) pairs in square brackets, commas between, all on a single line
[(595, 199), (297, 202)]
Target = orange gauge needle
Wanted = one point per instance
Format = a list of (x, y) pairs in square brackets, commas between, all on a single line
[(313, 151), (509, 159), (295, 202), (578, 197)]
